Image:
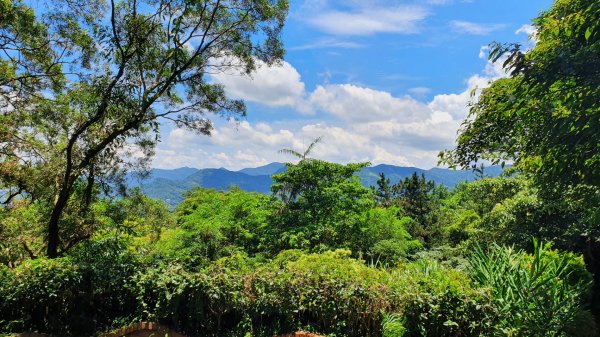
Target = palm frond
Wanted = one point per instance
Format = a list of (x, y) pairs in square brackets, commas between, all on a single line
[(302, 156), (292, 152), (311, 146)]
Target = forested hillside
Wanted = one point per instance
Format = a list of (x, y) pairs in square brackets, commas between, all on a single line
[(171, 185), (335, 249)]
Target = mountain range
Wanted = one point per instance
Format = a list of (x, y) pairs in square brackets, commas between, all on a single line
[(171, 185)]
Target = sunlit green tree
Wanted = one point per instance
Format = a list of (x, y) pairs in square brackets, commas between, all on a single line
[(84, 85)]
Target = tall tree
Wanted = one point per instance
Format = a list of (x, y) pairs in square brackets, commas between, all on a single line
[(324, 197), (384, 193), (546, 115), (415, 195), (85, 87)]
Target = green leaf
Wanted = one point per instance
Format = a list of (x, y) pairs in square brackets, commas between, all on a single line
[(588, 33)]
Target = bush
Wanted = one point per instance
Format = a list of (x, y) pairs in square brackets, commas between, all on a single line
[(329, 293), (74, 295), (41, 295), (438, 301), (101, 284), (107, 266), (537, 295), (171, 295)]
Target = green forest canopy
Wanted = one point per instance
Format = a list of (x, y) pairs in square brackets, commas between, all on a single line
[(514, 255)]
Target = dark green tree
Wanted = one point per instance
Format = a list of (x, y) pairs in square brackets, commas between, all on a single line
[(326, 199), (545, 117), (415, 195), (384, 192)]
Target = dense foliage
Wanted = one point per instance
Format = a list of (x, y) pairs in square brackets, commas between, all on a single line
[(515, 255), (545, 118), (84, 85), (546, 114), (326, 292), (237, 263)]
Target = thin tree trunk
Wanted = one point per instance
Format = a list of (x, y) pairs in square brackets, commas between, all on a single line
[(53, 228), (53, 236)]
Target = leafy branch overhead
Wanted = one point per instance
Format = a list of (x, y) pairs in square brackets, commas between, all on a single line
[(84, 85), (546, 115)]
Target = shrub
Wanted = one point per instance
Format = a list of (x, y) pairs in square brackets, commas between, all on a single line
[(537, 295), (41, 295), (107, 266), (73, 295), (329, 292), (101, 283), (438, 301), (171, 295)]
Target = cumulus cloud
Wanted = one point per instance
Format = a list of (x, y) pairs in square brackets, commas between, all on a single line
[(531, 33), (352, 103), (475, 28), (275, 86), (358, 124)]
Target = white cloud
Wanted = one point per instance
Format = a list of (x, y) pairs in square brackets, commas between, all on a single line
[(526, 29), (328, 43), (275, 86), (353, 103), (455, 104), (419, 91), (491, 70), (368, 21), (452, 104), (475, 28), (243, 133), (358, 124), (531, 33)]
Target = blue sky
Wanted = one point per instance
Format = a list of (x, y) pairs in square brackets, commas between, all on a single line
[(381, 81)]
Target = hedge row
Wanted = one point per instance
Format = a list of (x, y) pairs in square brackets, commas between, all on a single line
[(328, 293)]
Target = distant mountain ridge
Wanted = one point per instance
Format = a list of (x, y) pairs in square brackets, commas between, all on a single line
[(268, 169), (171, 185)]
